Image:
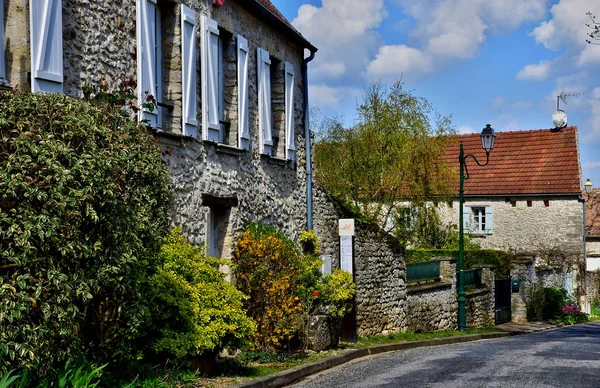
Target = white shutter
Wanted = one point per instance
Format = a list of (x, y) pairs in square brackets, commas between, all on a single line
[(46, 46), (466, 218), (290, 148), (210, 80), (264, 101), (2, 59), (242, 73), (188, 71), (489, 220), (148, 57)]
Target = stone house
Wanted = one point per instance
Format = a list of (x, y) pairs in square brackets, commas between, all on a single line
[(230, 81), (527, 200)]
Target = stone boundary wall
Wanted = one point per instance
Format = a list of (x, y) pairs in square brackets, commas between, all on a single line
[(431, 307), (380, 277), (480, 307)]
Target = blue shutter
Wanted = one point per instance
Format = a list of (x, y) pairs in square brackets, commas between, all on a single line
[(489, 220), (290, 149), (211, 127), (466, 218), (149, 55), (242, 73), (264, 101), (46, 46), (188, 71)]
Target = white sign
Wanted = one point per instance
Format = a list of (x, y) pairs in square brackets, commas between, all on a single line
[(346, 227), (346, 253)]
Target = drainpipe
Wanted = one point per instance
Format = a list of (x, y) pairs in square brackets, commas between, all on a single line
[(309, 204)]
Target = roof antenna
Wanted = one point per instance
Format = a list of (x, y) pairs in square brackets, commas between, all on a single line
[(559, 118)]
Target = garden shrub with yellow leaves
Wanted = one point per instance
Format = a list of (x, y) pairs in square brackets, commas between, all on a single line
[(273, 273), (194, 308)]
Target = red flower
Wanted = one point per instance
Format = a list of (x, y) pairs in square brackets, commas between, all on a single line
[(316, 294)]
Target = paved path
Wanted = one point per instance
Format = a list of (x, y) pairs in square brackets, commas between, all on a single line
[(565, 357)]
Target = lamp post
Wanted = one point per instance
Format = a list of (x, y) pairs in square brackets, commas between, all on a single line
[(488, 138), (588, 189)]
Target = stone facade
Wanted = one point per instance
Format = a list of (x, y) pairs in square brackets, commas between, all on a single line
[(526, 224), (431, 308), (218, 186)]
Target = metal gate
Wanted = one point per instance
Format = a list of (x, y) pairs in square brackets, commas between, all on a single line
[(502, 310)]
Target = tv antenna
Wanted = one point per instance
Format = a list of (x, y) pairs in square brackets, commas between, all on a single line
[(563, 96)]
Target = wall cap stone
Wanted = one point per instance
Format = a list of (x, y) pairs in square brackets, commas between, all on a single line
[(414, 288)]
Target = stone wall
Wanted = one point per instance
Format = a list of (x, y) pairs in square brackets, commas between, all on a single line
[(380, 277), (480, 307), (431, 307), (527, 229)]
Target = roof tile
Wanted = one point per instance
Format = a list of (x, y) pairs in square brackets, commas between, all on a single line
[(541, 161)]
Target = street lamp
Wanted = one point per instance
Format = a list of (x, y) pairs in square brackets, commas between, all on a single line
[(588, 187), (488, 137)]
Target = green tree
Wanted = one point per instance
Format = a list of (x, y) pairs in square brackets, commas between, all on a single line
[(394, 153)]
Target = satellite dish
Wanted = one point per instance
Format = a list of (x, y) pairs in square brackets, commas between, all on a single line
[(559, 119)]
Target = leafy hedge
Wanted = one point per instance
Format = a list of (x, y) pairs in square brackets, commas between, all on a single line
[(193, 308), (84, 200), (473, 258)]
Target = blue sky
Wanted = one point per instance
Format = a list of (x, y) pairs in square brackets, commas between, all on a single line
[(501, 62)]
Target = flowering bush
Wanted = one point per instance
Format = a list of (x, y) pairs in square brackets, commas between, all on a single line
[(572, 314), (268, 268), (337, 292)]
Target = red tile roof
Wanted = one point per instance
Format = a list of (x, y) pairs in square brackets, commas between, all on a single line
[(523, 162)]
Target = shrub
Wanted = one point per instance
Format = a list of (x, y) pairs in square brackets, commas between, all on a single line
[(572, 314), (337, 293), (269, 269), (545, 303), (84, 199), (193, 308)]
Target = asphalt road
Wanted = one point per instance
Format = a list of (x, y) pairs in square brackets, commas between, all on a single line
[(565, 357)]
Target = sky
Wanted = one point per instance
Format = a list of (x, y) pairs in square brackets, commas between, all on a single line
[(501, 62)]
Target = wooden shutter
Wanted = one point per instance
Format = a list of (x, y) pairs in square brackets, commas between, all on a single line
[(149, 56), (46, 46), (264, 101), (290, 148), (188, 71), (210, 80), (489, 220), (242, 74)]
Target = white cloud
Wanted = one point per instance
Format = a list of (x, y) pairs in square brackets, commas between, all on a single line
[(535, 72), (591, 164), (465, 129), (399, 61), (498, 102), (567, 25), (523, 104), (506, 122), (344, 32), (321, 95), (590, 55)]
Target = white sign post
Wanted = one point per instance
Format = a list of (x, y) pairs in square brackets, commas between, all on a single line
[(346, 231)]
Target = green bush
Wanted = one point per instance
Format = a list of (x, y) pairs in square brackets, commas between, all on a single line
[(84, 200), (336, 292), (545, 303), (193, 308)]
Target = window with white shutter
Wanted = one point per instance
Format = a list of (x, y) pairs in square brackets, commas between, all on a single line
[(479, 219), (489, 220), (466, 218), (149, 66), (264, 101), (2, 53), (242, 82), (290, 149), (188, 71), (211, 81), (46, 46)]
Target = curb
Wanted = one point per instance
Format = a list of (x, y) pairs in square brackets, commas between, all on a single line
[(289, 376)]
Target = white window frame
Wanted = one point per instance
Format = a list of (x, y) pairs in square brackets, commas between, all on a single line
[(149, 58), (47, 68), (243, 55), (189, 97), (478, 219), (265, 127)]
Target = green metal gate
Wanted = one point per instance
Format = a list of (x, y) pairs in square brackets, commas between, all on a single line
[(502, 311)]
